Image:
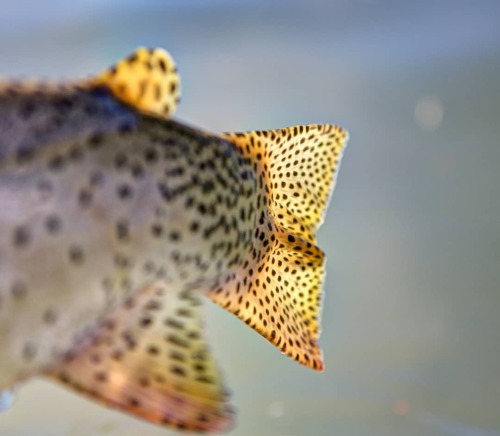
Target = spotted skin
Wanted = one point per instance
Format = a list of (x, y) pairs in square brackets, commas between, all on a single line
[(127, 198), (115, 218), (146, 80), (150, 359), (278, 289)]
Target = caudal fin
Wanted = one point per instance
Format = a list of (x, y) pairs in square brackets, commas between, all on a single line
[(278, 290)]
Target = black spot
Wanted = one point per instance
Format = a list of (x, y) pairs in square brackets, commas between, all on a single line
[(64, 378), (175, 340), (145, 322), (56, 163), (157, 91), (129, 340), (125, 128), (162, 65), (96, 140), (150, 155), (63, 104), (207, 186), (117, 355), (175, 355), (76, 255), (53, 224), (181, 426), (144, 382), (174, 172), (122, 231), (124, 192), (202, 417), (132, 58), (18, 290), (153, 350), (26, 109), (137, 171), (84, 197), (134, 402), (205, 379), (174, 236), (101, 376), (172, 322), (76, 154), (120, 161), (153, 305), (25, 154), (194, 226), (21, 236), (177, 370), (157, 230), (49, 316), (202, 209)]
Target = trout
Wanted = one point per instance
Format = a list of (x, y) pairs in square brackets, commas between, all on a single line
[(115, 220)]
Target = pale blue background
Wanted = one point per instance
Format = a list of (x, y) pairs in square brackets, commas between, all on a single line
[(411, 323)]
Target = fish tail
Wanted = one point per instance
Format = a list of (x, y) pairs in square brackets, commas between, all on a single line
[(278, 289)]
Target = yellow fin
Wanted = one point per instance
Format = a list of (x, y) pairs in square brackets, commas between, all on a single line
[(278, 293), (151, 360), (278, 290), (299, 165), (146, 80)]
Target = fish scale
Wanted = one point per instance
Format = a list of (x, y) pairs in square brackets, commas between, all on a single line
[(116, 219)]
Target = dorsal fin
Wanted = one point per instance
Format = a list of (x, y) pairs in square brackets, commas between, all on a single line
[(151, 360), (146, 80), (278, 289)]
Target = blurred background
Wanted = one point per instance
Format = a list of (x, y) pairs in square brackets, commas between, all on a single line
[(411, 321)]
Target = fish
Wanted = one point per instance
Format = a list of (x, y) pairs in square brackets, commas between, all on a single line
[(117, 220)]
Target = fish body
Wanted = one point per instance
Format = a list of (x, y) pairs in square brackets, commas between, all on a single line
[(115, 219), (97, 214)]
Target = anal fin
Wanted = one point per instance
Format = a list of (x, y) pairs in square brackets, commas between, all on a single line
[(151, 360)]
